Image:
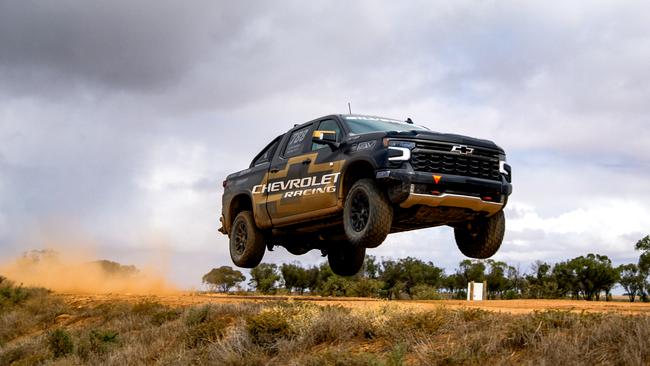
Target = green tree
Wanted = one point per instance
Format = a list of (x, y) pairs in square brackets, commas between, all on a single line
[(471, 270), (631, 279), (365, 287), (264, 277), (517, 284), (335, 286), (391, 275), (542, 283), (406, 273), (116, 269), (455, 284), (223, 278), (594, 274), (565, 280), (644, 259), (323, 274), (370, 267), (295, 277), (314, 279), (644, 265), (497, 283), (416, 272)]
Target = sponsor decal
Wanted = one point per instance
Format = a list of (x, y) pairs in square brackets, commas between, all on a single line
[(363, 146), (307, 186), (383, 174)]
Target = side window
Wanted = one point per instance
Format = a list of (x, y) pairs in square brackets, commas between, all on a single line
[(296, 142), (266, 154), (327, 125)]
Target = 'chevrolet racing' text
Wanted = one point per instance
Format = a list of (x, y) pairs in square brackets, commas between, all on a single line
[(301, 187)]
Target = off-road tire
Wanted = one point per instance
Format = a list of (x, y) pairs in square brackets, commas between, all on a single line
[(246, 241), (481, 238), (366, 228), (345, 259)]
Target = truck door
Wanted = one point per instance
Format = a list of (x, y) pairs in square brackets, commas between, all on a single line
[(300, 185), (257, 173), (328, 162)]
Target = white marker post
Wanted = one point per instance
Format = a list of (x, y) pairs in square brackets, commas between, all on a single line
[(476, 291)]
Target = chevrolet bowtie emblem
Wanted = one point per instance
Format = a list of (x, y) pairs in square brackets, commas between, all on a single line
[(462, 149)]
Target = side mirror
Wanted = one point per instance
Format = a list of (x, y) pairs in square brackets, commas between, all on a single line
[(326, 138)]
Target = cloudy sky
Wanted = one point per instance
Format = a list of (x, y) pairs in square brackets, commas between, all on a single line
[(120, 119)]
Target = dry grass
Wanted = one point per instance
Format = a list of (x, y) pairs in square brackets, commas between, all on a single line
[(40, 329)]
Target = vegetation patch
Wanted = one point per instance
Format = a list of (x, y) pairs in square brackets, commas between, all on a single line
[(60, 342), (297, 333), (269, 326)]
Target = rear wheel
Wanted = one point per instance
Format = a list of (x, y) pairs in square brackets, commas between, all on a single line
[(246, 241), (367, 214), (481, 238), (345, 259)]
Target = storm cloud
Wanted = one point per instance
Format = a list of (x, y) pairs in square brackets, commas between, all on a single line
[(119, 119)]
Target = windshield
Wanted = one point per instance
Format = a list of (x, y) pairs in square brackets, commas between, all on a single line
[(362, 124)]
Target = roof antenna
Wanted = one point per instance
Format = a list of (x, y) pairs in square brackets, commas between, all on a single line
[(409, 121), (349, 108)]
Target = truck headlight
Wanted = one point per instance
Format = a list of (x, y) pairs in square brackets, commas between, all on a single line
[(399, 150), (505, 169), (399, 153), (399, 143)]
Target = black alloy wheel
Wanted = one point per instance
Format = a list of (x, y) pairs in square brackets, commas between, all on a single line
[(367, 214), (246, 241), (241, 236), (360, 211)]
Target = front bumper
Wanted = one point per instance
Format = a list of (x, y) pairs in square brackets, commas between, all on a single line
[(408, 188), (452, 200)]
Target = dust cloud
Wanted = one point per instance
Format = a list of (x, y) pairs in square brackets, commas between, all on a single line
[(76, 271)]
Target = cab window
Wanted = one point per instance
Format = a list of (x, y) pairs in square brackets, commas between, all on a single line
[(327, 125), (267, 154), (296, 142)]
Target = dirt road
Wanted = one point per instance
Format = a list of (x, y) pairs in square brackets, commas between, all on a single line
[(509, 306)]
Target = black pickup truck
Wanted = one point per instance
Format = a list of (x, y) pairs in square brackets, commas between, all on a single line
[(342, 183)]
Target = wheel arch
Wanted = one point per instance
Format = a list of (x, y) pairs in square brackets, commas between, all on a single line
[(240, 202), (354, 171)]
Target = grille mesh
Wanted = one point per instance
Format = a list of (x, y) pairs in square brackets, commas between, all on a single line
[(455, 164)]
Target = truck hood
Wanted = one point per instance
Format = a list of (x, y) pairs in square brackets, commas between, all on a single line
[(445, 137)]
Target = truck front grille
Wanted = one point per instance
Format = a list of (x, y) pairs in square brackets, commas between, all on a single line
[(456, 164)]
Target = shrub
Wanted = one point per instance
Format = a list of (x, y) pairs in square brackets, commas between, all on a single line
[(336, 324), (340, 357), (165, 316), (100, 340), (425, 292), (471, 314), (266, 327), (197, 315), (12, 295), (60, 343), (407, 322), (147, 307), (206, 332)]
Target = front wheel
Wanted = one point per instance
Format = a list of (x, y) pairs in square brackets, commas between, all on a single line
[(367, 214), (346, 259), (246, 241), (481, 238)]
